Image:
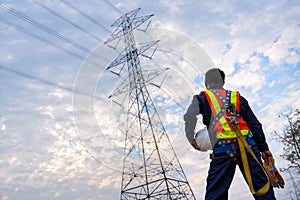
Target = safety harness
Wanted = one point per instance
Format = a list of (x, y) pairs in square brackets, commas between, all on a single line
[(228, 113), (243, 148)]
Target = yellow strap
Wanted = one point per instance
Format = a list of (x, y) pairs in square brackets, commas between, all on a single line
[(233, 99), (214, 101), (243, 147)]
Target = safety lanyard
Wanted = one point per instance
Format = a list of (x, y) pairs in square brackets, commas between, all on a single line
[(243, 148)]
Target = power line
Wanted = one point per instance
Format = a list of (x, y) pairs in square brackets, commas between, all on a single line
[(114, 7), (4, 68), (50, 31), (43, 27), (86, 16), (68, 89), (68, 21), (47, 30), (35, 36), (28, 76)]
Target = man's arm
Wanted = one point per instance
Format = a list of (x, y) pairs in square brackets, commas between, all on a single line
[(254, 125), (190, 119)]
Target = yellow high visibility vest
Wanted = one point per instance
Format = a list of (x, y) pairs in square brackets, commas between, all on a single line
[(222, 127)]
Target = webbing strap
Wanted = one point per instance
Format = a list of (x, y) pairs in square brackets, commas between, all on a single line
[(243, 147), (220, 112)]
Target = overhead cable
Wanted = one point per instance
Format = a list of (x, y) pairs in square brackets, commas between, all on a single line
[(69, 21), (35, 36), (68, 89), (86, 16), (43, 27), (4, 68), (114, 7)]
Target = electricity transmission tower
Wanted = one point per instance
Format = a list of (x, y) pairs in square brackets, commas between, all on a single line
[(151, 169)]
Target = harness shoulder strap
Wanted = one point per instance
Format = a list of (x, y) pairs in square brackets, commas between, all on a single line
[(222, 110)]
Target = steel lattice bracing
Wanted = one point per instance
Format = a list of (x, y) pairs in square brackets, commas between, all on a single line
[(151, 169)]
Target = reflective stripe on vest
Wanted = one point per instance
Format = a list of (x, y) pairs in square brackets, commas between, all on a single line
[(223, 128)]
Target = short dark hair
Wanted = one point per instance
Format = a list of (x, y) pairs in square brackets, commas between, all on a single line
[(215, 77)]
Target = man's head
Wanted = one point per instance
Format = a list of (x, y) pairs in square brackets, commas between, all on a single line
[(214, 78)]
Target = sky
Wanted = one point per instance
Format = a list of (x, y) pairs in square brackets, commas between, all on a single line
[(61, 136)]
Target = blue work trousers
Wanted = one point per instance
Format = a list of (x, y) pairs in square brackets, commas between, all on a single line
[(222, 170)]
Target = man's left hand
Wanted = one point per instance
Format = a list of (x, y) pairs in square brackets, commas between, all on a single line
[(265, 155), (194, 144)]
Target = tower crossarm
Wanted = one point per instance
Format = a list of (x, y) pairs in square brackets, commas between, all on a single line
[(129, 18), (123, 57), (149, 75)]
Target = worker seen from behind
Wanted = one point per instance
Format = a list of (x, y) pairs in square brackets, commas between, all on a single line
[(233, 132)]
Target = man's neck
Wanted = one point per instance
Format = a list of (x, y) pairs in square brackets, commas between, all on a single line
[(215, 87)]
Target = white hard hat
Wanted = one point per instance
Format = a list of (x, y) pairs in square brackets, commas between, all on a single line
[(203, 140)]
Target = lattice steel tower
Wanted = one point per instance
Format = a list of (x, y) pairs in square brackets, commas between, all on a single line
[(151, 169)]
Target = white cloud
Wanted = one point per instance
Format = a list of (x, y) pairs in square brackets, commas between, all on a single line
[(272, 84), (293, 58), (3, 127), (280, 49), (174, 7), (252, 80), (10, 57)]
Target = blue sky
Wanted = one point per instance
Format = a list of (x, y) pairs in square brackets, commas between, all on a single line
[(42, 156)]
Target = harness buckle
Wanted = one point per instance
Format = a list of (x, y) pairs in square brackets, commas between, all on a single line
[(232, 118)]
